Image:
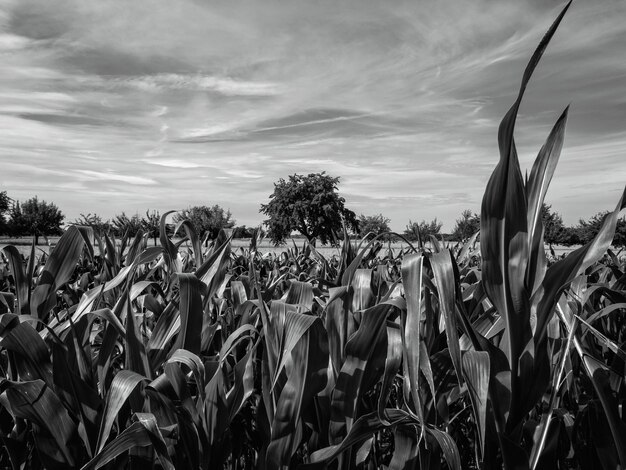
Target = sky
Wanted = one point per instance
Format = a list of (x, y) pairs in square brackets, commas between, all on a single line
[(151, 104)]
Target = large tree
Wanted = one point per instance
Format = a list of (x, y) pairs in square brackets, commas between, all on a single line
[(36, 218), (207, 221), (309, 204)]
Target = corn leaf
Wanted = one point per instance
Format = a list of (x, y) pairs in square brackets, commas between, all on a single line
[(123, 384), (22, 282), (191, 312), (57, 271), (35, 401)]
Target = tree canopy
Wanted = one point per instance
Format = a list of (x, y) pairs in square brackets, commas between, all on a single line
[(4, 209), (94, 221), (125, 225), (373, 225), (36, 218), (207, 221), (309, 204), (466, 226), (421, 231)]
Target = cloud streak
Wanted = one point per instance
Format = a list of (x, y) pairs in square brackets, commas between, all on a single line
[(153, 104)]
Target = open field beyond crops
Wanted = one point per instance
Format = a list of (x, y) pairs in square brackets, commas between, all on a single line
[(23, 245)]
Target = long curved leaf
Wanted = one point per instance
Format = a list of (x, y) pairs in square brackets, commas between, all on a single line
[(57, 271), (476, 368), (141, 433), (36, 402), (536, 189), (306, 372), (122, 386)]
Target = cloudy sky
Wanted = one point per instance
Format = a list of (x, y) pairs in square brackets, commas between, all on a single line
[(110, 106)]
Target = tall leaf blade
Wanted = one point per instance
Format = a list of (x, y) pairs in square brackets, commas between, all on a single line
[(191, 312), (476, 367), (443, 271), (411, 335), (306, 376), (536, 189)]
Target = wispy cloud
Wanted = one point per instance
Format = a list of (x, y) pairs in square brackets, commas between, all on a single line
[(154, 104)]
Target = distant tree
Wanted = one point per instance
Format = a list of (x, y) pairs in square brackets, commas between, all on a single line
[(554, 230), (588, 229), (422, 230), (124, 225), (207, 220), (242, 231), (309, 204), (466, 226), (373, 224), (151, 224), (4, 209), (36, 218), (95, 221)]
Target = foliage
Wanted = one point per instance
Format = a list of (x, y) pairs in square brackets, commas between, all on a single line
[(36, 218), (466, 226), (553, 226), (94, 221), (373, 225), (126, 226), (588, 229), (173, 357), (423, 230), (4, 209), (309, 204), (241, 231), (207, 221), (151, 224)]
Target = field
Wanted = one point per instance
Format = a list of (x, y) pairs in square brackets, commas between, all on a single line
[(487, 355)]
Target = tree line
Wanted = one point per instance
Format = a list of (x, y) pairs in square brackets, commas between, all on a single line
[(309, 204), (37, 218)]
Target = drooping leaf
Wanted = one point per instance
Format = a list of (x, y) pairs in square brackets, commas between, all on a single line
[(57, 271), (141, 433), (35, 401), (359, 351), (32, 355)]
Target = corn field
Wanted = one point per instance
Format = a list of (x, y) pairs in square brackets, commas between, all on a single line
[(487, 355)]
